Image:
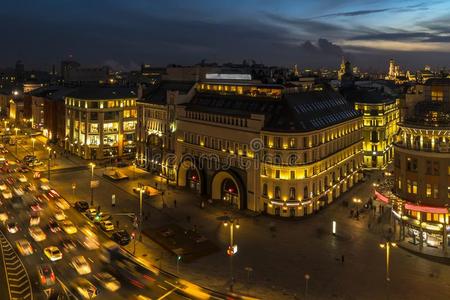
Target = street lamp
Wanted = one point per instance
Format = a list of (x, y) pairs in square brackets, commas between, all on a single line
[(387, 246), (48, 162), (32, 141), (357, 201), (16, 129), (307, 277), (141, 190), (232, 248), (134, 170), (92, 165)]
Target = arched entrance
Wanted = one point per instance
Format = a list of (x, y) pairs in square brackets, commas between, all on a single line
[(190, 176), (193, 180), (230, 192), (228, 187)]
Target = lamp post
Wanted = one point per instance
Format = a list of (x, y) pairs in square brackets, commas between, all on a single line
[(387, 246), (232, 248), (32, 141), (141, 190), (16, 129), (92, 165), (48, 162), (357, 201), (307, 277), (134, 170)]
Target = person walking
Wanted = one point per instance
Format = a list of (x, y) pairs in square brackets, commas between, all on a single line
[(342, 258), (174, 203)]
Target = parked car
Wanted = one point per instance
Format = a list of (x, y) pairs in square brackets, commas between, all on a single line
[(81, 206), (122, 237), (107, 225)]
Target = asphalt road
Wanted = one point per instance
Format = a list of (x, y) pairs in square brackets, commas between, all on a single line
[(163, 288)]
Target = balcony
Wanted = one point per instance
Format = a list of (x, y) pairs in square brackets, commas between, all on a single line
[(438, 148)]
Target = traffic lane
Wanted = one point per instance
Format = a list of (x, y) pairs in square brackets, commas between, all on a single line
[(4, 291)]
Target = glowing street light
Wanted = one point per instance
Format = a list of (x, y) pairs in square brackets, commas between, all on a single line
[(387, 246), (357, 201), (232, 248), (49, 159), (92, 165)]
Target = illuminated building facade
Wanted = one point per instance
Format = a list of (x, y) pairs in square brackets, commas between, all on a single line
[(422, 169), (380, 116), (257, 147), (100, 122), (155, 138)]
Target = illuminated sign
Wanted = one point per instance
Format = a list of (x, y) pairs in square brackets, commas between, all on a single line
[(228, 76), (428, 209)]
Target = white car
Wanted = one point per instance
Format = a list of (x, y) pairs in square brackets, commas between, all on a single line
[(62, 204), (53, 253), (68, 227), (7, 194), (107, 225), (35, 220), (3, 217), (108, 281), (18, 191), (60, 215), (12, 227), (3, 186), (37, 234), (24, 247), (22, 178), (80, 264)]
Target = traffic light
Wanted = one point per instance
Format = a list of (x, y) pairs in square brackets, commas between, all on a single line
[(179, 257), (97, 216)]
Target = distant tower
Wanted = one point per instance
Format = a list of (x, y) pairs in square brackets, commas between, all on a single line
[(295, 70), (341, 70), (392, 69)]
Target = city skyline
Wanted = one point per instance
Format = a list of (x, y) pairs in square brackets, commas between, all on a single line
[(308, 34)]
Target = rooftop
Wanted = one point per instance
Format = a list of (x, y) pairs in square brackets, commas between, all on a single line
[(369, 96), (157, 93), (299, 112), (438, 81), (101, 93)]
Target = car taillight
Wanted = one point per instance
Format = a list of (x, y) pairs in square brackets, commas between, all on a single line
[(43, 279), (52, 276)]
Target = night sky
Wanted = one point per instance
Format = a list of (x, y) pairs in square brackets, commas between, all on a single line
[(126, 33)]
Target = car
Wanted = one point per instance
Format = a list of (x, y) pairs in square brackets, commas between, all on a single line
[(12, 227), (34, 219), (3, 217), (122, 237), (107, 225), (24, 247), (44, 184), (46, 275), (107, 281), (80, 264), (89, 239), (30, 187), (68, 227), (10, 180), (62, 204), (37, 234), (22, 178), (29, 158), (3, 186), (35, 163), (53, 226), (18, 191), (68, 245), (23, 169), (35, 206), (81, 206), (91, 213), (60, 215), (7, 194), (84, 288), (53, 253), (53, 194), (42, 198), (105, 217), (122, 164)]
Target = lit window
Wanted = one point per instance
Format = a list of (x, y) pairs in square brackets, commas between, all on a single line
[(277, 173), (414, 187), (428, 190)]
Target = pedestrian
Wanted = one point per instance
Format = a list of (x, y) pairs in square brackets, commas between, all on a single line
[(117, 224), (113, 200), (174, 202), (342, 258)]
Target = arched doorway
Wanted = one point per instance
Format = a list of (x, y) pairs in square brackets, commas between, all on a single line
[(228, 187), (230, 192), (193, 180)]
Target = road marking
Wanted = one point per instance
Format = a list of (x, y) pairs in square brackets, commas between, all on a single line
[(164, 288), (15, 272), (168, 293)]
